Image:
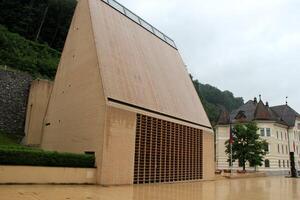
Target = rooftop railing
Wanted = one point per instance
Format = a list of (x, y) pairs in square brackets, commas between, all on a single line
[(119, 7)]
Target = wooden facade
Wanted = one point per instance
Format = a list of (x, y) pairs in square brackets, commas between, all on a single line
[(114, 75)]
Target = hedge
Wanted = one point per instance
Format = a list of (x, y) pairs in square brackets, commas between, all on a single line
[(13, 155)]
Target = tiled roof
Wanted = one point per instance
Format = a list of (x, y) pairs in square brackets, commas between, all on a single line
[(248, 110), (224, 117), (252, 110), (286, 113)]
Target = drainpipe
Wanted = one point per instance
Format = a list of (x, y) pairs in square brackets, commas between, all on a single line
[(292, 164)]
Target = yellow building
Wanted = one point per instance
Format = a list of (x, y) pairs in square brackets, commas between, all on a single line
[(122, 92), (278, 125)]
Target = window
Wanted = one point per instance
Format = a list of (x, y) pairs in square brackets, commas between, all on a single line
[(267, 148), (285, 135), (287, 163), (286, 148), (278, 148), (277, 134), (262, 132), (281, 135), (279, 164), (267, 163), (282, 150), (268, 130), (283, 163)]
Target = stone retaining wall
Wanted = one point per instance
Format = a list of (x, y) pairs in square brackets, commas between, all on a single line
[(14, 89)]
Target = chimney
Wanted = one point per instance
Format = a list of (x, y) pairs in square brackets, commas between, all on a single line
[(255, 100), (267, 104)]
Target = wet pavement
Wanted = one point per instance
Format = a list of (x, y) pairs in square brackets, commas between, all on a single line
[(269, 188)]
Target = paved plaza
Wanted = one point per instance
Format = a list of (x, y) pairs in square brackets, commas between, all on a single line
[(266, 188)]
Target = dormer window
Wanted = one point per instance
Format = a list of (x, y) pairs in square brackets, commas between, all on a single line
[(241, 115)]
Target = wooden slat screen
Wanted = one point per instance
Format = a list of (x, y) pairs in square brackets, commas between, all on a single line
[(166, 151)]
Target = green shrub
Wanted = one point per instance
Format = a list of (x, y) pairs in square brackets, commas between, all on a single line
[(9, 139), (25, 55), (18, 155)]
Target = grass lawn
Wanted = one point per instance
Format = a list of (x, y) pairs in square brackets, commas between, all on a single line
[(9, 140)]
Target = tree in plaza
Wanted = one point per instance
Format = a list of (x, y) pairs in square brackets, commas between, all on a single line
[(246, 145)]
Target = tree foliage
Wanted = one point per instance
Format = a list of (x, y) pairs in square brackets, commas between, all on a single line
[(214, 100), (25, 17), (247, 145), (25, 55)]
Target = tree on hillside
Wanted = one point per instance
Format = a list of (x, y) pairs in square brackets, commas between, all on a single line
[(47, 19), (247, 146), (214, 100)]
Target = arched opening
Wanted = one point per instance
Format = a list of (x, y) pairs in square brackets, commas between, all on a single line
[(267, 163)]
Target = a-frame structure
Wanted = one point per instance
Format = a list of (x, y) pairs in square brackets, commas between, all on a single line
[(123, 92)]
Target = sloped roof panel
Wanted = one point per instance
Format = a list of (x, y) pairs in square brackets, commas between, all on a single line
[(140, 69)]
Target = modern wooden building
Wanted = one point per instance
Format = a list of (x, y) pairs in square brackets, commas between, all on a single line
[(122, 92)]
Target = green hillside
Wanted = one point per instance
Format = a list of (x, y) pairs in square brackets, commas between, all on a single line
[(25, 55), (44, 21), (214, 100)]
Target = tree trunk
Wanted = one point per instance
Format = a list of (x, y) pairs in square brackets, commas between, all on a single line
[(42, 23)]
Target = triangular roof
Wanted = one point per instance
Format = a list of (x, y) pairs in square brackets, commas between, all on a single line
[(262, 112), (140, 69), (224, 117)]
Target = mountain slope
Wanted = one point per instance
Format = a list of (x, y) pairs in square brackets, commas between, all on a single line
[(214, 100)]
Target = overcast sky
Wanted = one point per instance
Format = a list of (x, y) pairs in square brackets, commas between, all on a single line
[(249, 47)]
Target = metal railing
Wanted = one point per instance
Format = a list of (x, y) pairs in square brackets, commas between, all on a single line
[(119, 7)]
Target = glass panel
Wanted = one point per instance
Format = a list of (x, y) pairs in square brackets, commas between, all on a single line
[(262, 132), (159, 34), (170, 41), (131, 15), (146, 25), (140, 21), (268, 132), (116, 5)]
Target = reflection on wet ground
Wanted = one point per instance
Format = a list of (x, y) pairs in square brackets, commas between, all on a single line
[(270, 188)]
